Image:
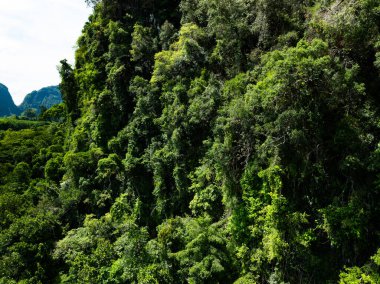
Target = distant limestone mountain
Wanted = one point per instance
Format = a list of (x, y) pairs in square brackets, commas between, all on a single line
[(7, 106), (46, 97)]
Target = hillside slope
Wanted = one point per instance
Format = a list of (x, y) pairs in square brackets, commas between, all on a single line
[(7, 106), (45, 97)]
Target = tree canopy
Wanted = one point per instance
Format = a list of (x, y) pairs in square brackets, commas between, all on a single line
[(218, 141)]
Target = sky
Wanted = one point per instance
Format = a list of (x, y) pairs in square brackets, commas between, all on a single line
[(34, 36)]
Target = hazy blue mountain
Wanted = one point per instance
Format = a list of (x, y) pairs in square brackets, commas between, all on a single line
[(46, 97), (7, 106)]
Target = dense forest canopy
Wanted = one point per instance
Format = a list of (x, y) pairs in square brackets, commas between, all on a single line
[(203, 141)]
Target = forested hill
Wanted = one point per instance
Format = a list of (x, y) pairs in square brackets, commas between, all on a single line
[(205, 141), (7, 106), (46, 98)]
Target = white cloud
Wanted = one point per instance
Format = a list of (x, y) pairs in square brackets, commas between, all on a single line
[(34, 37)]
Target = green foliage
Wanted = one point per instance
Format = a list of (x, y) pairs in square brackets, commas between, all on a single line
[(56, 113), (230, 141), (29, 212), (86, 250), (68, 88), (184, 55), (369, 273), (29, 113), (143, 48), (18, 124)]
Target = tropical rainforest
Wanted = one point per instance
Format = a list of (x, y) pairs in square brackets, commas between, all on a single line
[(203, 141)]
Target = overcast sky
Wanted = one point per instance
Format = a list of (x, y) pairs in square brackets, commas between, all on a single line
[(34, 36)]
